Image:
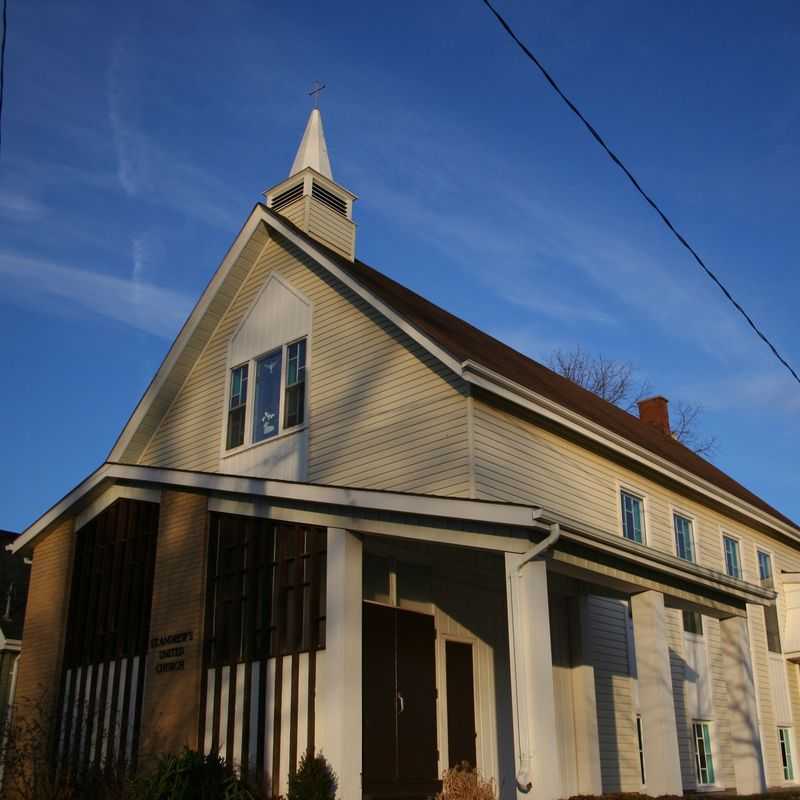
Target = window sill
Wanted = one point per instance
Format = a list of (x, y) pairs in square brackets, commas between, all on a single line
[(243, 448)]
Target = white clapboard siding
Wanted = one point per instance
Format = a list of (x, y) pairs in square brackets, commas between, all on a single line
[(517, 461), (780, 690), (724, 766), (382, 413), (330, 227), (766, 709), (616, 714)]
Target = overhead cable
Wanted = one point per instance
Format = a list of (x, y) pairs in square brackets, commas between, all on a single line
[(637, 186)]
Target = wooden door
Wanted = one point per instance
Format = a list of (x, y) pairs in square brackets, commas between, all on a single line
[(417, 760), (379, 701), (399, 702), (461, 732)]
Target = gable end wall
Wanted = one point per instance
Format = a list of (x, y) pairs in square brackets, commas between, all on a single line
[(383, 413)]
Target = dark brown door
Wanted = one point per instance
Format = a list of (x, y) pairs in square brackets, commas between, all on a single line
[(460, 704), (379, 713), (416, 698), (399, 711)]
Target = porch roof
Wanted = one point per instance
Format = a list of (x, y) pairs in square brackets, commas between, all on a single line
[(591, 554)]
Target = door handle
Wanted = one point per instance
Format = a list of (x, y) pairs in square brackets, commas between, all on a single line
[(402, 702)]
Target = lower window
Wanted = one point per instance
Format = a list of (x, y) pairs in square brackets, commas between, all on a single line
[(704, 762), (785, 736), (640, 742)]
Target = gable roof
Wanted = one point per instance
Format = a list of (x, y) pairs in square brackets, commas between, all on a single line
[(476, 356), (465, 342)]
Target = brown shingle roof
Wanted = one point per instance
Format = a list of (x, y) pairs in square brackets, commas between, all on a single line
[(464, 341)]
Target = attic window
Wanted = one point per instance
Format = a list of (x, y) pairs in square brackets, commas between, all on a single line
[(329, 199), (287, 197), (279, 385)]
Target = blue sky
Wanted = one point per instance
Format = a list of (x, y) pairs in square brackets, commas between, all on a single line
[(137, 137)]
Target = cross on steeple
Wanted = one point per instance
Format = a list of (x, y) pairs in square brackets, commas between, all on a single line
[(316, 88)]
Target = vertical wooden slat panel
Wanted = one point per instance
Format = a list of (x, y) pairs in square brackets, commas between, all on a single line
[(208, 729)]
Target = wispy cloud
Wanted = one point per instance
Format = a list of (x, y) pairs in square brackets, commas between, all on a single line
[(20, 207), (147, 170), (145, 306)]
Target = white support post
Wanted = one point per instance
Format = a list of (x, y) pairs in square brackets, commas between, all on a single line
[(340, 686), (660, 732), (742, 707), (587, 736), (532, 692)]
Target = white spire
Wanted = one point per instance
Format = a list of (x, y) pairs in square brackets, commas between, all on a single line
[(313, 152)]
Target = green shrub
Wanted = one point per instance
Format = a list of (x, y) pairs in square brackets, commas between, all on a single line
[(314, 779), (192, 776)]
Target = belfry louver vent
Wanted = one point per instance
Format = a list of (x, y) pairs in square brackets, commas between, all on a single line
[(289, 196), (329, 199)]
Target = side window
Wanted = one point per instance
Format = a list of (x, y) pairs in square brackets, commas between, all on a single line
[(236, 407), (704, 762), (684, 537), (295, 383), (693, 622), (765, 569), (785, 736), (733, 562), (632, 517)]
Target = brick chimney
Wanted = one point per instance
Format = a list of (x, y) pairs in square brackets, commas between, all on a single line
[(655, 411)]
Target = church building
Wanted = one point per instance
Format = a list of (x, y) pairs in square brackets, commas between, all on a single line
[(343, 519)]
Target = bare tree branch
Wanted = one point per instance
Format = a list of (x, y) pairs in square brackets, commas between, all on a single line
[(617, 382)]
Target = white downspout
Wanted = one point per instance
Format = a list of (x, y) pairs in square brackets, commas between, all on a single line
[(523, 778), (540, 547)]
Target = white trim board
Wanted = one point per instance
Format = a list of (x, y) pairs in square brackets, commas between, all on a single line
[(509, 514)]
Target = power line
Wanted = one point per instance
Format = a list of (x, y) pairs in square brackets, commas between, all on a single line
[(3, 68), (639, 189)]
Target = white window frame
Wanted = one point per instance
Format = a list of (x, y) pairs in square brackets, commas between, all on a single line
[(724, 534), (790, 741), (679, 512), (251, 396), (639, 733), (713, 753), (767, 552), (625, 488)]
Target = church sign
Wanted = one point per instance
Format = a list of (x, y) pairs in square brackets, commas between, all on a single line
[(171, 649)]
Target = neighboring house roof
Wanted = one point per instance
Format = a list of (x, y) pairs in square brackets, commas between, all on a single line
[(466, 342), (13, 570)]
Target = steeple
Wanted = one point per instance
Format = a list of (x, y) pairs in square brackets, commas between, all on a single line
[(313, 152), (311, 199)]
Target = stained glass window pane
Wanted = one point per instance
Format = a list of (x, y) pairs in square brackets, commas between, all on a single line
[(266, 409)]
